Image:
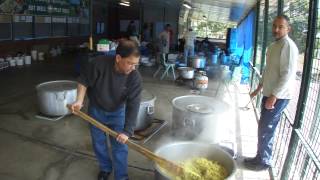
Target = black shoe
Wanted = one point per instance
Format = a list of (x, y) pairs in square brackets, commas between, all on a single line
[(103, 175), (252, 160), (254, 165)]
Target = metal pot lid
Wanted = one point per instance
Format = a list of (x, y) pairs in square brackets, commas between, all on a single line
[(200, 104), (199, 108), (146, 96), (57, 86)]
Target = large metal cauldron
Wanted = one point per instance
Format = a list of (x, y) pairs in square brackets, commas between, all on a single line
[(146, 110), (197, 61), (186, 72), (193, 114), (53, 96), (182, 151)]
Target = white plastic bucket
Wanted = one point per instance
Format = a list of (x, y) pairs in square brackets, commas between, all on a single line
[(53, 52), (59, 52), (144, 59), (8, 59), (34, 55), (41, 56), (27, 60), (12, 62), (20, 61)]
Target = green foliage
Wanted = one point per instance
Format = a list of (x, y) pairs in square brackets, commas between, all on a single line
[(298, 11), (212, 29)]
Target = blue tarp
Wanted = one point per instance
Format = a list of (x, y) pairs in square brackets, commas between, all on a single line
[(245, 43)]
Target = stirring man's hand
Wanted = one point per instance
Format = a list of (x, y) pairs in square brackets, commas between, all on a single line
[(122, 138), (76, 106)]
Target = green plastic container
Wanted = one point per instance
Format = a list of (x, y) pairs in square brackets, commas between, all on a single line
[(103, 45)]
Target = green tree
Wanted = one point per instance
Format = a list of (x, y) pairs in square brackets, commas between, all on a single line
[(297, 11), (212, 29)]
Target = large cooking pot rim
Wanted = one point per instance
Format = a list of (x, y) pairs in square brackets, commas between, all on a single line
[(147, 99), (185, 68), (157, 151), (40, 86)]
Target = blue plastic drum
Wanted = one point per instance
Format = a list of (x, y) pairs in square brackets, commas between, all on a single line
[(203, 62), (214, 59)]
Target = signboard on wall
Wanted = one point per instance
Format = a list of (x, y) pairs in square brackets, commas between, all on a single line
[(79, 8), (52, 18), (22, 18), (44, 18)]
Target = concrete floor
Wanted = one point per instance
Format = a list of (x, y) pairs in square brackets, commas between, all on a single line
[(34, 149)]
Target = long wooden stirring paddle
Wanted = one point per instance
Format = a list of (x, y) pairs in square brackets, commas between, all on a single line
[(169, 166)]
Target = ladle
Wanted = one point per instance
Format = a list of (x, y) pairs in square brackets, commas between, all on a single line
[(246, 108)]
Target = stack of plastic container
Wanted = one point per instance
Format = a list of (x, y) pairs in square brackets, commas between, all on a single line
[(20, 60), (3, 64)]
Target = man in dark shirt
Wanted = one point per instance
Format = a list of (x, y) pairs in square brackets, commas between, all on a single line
[(114, 87), (132, 32)]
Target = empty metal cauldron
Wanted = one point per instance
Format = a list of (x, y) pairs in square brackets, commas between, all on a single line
[(198, 62), (146, 110), (53, 96), (192, 114)]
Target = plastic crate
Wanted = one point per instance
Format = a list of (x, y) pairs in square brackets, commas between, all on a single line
[(4, 65)]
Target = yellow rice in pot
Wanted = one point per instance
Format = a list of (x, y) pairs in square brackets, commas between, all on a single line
[(202, 169)]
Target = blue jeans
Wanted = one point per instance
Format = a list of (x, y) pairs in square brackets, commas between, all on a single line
[(188, 50), (268, 122), (115, 121)]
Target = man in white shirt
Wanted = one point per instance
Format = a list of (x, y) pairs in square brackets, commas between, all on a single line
[(277, 83), (189, 38)]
